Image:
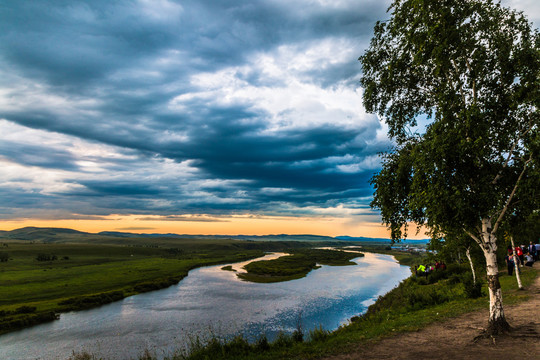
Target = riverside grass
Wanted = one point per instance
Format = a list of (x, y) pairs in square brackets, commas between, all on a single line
[(411, 306)]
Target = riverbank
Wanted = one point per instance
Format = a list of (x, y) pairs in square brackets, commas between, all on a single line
[(455, 338), (404, 312)]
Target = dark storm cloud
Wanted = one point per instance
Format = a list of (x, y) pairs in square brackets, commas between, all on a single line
[(36, 155), (111, 73)]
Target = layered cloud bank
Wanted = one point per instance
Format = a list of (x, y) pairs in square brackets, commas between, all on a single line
[(188, 111)]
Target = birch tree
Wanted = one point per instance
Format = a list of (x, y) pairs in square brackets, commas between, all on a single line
[(471, 70)]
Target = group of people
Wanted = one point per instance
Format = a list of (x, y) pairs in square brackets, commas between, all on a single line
[(427, 269), (524, 256)]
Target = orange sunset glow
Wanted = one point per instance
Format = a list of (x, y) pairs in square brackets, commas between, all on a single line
[(205, 225)]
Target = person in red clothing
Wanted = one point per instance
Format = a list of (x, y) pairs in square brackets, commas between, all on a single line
[(519, 254)]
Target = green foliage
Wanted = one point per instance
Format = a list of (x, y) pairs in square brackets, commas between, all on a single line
[(13, 321), (262, 343), (283, 340), (25, 310), (156, 284), (472, 67), (46, 257), (84, 355), (318, 334), (472, 290), (89, 301)]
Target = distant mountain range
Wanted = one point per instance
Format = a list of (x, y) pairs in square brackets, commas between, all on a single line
[(39, 234)]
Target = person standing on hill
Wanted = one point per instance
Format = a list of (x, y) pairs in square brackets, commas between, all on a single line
[(509, 263), (421, 270), (519, 254), (532, 251)]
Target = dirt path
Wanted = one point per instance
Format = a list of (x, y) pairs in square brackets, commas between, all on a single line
[(454, 339)]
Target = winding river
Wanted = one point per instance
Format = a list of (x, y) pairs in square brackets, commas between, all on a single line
[(210, 300)]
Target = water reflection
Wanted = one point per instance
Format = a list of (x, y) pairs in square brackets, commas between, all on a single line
[(210, 298)]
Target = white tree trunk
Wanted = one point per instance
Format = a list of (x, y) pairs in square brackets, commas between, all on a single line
[(516, 263), (497, 321), (468, 253)]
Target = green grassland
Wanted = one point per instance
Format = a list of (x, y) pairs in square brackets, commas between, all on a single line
[(296, 265)]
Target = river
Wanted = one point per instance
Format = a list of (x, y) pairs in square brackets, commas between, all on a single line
[(210, 300)]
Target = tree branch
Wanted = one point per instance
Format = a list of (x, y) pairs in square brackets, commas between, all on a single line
[(475, 238), (473, 80), (460, 86), (521, 135), (497, 223)]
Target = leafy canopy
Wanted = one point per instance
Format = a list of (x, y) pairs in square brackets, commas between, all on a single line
[(473, 69)]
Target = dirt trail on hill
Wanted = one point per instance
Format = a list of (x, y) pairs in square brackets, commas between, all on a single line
[(454, 339)]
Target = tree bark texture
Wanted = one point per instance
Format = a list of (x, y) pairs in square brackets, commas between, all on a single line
[(497, 323), (468, 253), (516, 263)]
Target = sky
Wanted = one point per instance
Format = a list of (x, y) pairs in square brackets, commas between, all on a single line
[(191, 117)]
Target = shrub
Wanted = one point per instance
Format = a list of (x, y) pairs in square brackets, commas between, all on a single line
[(437, 275), (454, 279), (26, 319), (155, 285), (25, 310), (471, 289), (88, 301), (81, 356), (298, 335), (262, 343), (420, 297), (237, 346), (283, 340), (319, 334), (46, 257)]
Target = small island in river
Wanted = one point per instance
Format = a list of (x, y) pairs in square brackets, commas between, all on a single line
[(296, 265)]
